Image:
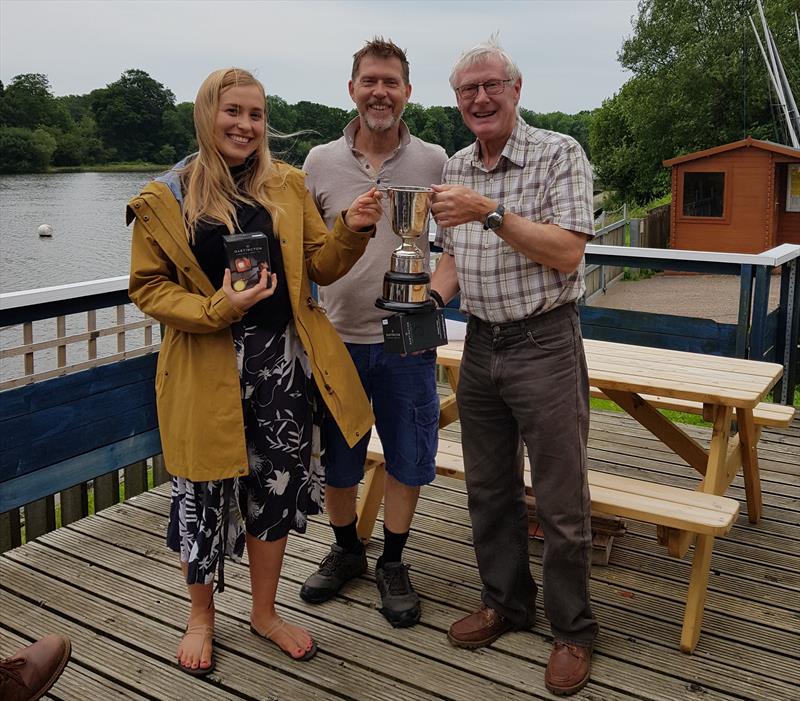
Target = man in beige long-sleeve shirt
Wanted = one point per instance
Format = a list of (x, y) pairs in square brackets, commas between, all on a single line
[(376, 149)]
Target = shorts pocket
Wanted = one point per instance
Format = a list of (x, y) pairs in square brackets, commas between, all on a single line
[(426, 423)]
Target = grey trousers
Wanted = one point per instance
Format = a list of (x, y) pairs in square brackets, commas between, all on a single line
[(528, 380)]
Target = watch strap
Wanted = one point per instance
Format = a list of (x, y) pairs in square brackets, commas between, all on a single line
[(436, 297)]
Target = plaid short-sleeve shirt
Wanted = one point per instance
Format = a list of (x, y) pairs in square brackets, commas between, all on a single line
[(542, 176)]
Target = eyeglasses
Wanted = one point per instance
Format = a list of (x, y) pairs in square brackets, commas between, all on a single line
[(490, 87)]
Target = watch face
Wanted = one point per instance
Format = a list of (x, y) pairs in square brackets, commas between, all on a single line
[(494, 220)]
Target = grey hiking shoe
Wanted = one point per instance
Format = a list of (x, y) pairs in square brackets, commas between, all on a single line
[(336, 568), (400, 603)]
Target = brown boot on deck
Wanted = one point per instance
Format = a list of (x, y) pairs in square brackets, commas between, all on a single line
[(568, 669), (30, 672)]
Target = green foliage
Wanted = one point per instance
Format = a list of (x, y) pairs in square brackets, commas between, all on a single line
[(178, 131), (78, 106), (698, 81), (135, 120), (575, 125), (130, 114), (28, 102), (25, 151)]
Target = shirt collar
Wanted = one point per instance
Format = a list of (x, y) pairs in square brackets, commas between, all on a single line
[(514, 150), (353, 126)]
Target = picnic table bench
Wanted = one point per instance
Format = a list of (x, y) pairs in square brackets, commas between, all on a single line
[(641, 380)]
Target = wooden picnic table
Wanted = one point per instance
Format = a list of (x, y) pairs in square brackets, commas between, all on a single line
[(638, 378), (641, 380)]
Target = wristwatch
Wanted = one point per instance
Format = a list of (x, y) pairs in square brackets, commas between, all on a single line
[(494, 220)]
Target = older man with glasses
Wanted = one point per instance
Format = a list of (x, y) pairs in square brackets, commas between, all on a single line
[(514, 216)]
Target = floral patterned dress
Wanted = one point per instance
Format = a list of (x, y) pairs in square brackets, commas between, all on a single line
[(286, 483)]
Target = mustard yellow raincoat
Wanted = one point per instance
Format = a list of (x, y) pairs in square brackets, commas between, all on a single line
[(197, 380)]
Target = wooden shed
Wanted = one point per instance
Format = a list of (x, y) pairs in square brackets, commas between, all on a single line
[(742, 197)]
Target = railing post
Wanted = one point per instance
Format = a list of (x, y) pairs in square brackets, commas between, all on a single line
[(73, 502), (160, 474), (27, 339), (634, 228), (10, 532), (786, 351), (106, 491), (40, 517), (121, 335), (758, 333), (91, 327), (135, 478), (745, 300), (61, 348)]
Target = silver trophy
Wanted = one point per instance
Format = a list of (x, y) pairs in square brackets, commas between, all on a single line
[(406, 285)]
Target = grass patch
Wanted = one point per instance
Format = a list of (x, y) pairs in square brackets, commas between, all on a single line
[(126, 167), (796, 403), (638, 273), (637, 211), (680, 417)]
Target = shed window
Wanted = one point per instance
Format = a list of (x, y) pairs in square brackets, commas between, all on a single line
[(703, 194)]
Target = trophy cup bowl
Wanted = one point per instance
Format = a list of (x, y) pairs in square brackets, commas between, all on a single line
[(407, 282)]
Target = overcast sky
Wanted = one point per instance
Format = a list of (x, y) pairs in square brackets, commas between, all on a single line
[(302, 50)]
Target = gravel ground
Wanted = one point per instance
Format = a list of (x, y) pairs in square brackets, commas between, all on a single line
[(705, 296)]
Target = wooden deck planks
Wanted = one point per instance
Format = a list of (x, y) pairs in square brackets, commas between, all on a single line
[(110, 583)]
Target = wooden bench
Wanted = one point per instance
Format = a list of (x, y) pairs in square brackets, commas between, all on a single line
[(672, 509)]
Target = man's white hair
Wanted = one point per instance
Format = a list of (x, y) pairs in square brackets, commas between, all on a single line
[(480, 52)]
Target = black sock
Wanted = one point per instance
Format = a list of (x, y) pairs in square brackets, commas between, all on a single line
[(347, 537), (393, 544)]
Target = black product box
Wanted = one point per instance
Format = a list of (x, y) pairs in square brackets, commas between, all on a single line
[(247, 254), (408, 333)]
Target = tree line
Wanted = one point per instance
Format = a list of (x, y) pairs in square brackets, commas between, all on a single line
[(136, 118), (698, 81)]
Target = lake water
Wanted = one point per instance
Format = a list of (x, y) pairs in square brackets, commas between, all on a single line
[(90, 241), (87, 213)]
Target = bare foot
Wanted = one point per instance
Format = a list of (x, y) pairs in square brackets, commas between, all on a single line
[(195, 651), (293, 640)]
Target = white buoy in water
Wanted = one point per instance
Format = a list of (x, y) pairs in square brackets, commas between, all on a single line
[(45, 231)]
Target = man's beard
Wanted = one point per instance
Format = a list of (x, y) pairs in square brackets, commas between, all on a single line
[(385, 124)]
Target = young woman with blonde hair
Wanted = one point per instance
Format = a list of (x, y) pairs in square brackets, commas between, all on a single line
[(243, 376)]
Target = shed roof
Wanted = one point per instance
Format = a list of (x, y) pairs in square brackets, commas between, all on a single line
[(749, 142)]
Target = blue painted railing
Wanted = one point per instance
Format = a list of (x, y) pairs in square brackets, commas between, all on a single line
[(758, 334), (67, 430)]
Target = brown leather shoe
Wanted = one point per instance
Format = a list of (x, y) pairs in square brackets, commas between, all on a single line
[(568, 669), (30, 672), (479, 629)]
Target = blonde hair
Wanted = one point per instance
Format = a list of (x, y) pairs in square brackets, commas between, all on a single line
[(211, 192)]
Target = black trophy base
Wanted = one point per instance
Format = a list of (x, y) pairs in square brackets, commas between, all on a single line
[(405, 307), (409, 333)]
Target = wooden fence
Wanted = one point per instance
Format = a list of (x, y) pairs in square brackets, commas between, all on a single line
[(654, 229), (42, 349), (77, 338), (598, 277)]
